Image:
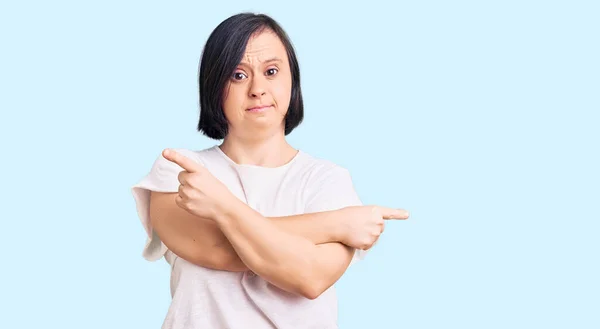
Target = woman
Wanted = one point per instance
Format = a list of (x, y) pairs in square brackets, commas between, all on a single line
[(256, 232)]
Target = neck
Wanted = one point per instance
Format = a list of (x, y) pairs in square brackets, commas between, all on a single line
[(270, 151)]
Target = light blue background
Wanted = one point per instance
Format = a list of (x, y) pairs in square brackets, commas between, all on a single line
[(479, 117)]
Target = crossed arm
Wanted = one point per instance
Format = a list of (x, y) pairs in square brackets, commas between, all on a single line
[(300, 254)]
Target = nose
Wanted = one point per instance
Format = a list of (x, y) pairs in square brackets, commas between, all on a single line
[(257, 88)]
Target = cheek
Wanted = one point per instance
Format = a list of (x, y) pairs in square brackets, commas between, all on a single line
[(232, 102), (282, 93)]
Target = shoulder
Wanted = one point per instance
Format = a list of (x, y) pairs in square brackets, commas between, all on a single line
[(323, 178), (328, 185), (319, 169)]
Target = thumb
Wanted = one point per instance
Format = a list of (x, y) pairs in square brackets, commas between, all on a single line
[(184, 162), (392, 213)]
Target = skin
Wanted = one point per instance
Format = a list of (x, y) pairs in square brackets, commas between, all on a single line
[(262, 78), (206, 224)]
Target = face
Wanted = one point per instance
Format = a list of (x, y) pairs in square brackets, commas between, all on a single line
[(257, 96)]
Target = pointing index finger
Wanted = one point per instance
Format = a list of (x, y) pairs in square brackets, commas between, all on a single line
[(392, 213), (184, 162)]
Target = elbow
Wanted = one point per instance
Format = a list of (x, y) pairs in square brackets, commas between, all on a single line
[(311, 293), (312, 288), (311, 279)]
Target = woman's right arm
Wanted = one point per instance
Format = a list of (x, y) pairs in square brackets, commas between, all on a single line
[(201, 242), (197, 240)]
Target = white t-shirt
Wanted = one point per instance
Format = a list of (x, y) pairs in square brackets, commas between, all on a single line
[(211, 299)]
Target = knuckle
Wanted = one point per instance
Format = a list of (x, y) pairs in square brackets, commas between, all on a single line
[(376, 211), (186, 204), (182, 191)]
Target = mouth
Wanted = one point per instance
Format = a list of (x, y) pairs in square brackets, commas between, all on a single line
[(257, 109)]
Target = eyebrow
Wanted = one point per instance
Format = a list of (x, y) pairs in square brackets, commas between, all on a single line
[(270, 60)]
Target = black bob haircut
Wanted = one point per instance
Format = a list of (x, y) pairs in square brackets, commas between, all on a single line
[(222, 54)]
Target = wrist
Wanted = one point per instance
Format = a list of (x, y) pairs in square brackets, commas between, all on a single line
[(335, 222), (227, 209)]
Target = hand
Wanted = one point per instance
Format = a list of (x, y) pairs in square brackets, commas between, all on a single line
[(200, 193), (361, 226)]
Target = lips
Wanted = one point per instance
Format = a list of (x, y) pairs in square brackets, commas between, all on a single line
[(259, 108)]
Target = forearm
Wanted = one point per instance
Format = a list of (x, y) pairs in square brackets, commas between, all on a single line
[(319, 227), (201, 241), (287, 260)]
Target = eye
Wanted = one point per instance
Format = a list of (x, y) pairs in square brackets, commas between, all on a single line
[(272, 71), (238, 76)]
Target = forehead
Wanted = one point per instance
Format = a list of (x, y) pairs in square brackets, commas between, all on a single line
[(264, 46)]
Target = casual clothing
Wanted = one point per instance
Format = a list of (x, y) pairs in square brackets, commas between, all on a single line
[(206, 298)]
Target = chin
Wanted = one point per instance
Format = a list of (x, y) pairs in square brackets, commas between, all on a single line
[(266, 125)]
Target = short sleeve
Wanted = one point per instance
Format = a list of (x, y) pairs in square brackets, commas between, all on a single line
[(332, 191), (161, 178)]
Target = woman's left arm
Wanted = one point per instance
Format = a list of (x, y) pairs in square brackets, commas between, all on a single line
[(288, 261)]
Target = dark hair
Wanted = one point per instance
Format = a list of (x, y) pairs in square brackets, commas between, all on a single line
[(222, 54)]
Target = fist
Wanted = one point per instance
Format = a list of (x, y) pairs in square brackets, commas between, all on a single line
[(200, 193), (361, 226)]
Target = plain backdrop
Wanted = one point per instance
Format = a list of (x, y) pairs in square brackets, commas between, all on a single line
[(479, 117)]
